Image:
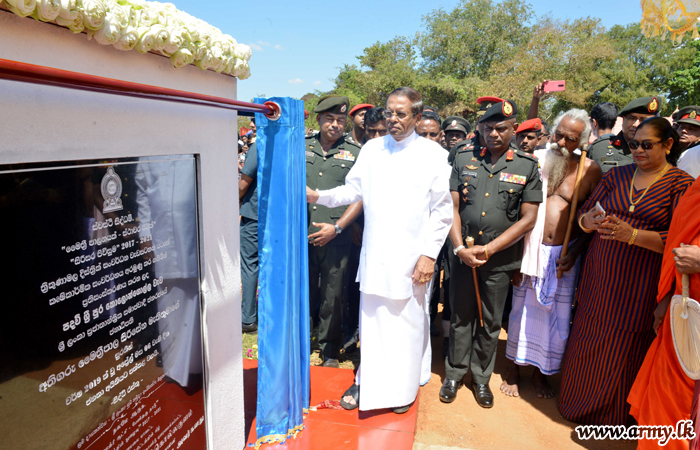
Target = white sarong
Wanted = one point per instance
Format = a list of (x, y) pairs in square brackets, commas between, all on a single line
[(394, 346), (538, 326)]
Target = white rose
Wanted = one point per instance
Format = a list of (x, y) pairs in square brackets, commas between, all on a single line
[(200, 50), (94, 13), (121, 13), (134, 17), (76, 25), (47, 10), (179, 38), (147, 17), (69, 10), (128, 39), (161, 37), (22, 8), (181, 58), (110, 32), (241, 69), (241, 51), (146, 41)]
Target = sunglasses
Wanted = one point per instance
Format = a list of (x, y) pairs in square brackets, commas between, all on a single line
[(400, 115), (646, 145)]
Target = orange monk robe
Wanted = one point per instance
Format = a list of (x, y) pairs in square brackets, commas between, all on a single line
[(662, 393)]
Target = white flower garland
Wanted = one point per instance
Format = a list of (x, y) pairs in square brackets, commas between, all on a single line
[(144, 26)]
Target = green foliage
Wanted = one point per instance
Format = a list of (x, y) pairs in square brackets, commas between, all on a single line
[(484, 47), (684, 84)]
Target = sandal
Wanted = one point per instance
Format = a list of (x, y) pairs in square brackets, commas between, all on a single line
[(401, 410), (354, 392)]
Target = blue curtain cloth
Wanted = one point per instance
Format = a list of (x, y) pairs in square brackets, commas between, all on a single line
[(283, 302)]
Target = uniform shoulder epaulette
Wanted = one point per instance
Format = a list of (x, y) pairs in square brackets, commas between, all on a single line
[(352, 142), (527, 155), (600, 139), (464, 146)]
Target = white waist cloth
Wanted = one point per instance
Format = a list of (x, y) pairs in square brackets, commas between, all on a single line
[(538, 326), (394, 346)]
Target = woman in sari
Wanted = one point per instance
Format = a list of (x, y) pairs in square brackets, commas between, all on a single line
[(662, 394), (612, 328)]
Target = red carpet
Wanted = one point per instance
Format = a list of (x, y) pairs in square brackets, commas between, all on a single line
[(334, 429)]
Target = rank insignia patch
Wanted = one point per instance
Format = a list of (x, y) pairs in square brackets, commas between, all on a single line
[(653, 105), (509, 155), (692, 115), (512, 178), (507, 108), (483, 152)]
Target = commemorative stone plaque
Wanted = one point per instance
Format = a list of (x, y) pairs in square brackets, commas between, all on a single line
[(100, 340)]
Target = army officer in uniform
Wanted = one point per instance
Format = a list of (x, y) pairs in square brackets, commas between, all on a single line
[(496, 193), (329, 158), (613, 151)]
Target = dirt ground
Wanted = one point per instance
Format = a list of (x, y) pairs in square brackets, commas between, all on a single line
[(523, 423)]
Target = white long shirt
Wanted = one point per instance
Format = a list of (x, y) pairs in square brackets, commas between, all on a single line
[(405, 191), (690, 161)]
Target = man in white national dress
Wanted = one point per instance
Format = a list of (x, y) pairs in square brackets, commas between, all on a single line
[(403, 180)]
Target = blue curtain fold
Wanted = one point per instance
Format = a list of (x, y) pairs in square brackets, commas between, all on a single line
[(283, 301)]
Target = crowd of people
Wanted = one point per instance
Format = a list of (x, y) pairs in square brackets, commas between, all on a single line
[(577, 258)]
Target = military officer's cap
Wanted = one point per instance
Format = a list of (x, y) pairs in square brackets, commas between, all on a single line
[(359, 107), (688, 114), (485, 103), (456, 123), (334, 104), (499, 112), (530, 125), (641, 105)]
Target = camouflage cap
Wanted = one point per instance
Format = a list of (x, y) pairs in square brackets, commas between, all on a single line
[(334, 104)]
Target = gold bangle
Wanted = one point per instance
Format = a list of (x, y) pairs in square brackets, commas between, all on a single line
[(634, 236), (486, 250), (584, 229)]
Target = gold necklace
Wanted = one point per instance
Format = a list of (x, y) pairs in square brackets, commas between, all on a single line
[(633, 203)]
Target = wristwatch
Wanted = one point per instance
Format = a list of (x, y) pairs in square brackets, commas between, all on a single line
[(456, 250), (338, 230)]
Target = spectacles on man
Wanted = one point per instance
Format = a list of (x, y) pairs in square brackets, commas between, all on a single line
[(646, 145), (399, 115)]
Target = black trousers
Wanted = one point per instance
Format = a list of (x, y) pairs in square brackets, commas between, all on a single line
[(477, 352), (327, 273)]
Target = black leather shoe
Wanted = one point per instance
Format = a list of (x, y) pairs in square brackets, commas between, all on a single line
[(483, 395), (448, 391), (330, 362), (249, 327)]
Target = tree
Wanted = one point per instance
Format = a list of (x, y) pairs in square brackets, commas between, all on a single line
[(642, 67), (684, 84)]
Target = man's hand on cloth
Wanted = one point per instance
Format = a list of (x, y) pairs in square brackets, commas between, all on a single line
[(311, 195), (566, 263), (425, 267), (687, 259), (324, 236), (473, 257)]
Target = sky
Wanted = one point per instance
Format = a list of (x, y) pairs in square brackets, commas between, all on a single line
[(299, 46)]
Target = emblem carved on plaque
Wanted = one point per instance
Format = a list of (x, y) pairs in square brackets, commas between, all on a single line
[(111, 191)]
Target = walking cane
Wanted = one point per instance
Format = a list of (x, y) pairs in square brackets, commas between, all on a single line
[(470, 243), (574, 205)]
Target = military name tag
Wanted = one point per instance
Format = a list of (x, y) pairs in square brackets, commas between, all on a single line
[(471, 174), (309, 153), (512, 178), (344, 155)]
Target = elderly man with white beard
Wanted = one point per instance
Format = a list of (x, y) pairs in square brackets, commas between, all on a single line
[(541, 314)]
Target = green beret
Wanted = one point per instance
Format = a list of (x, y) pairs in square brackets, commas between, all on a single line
[(334, 104), (641, 105), (456, 123), (688, 114), (500, 111)]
